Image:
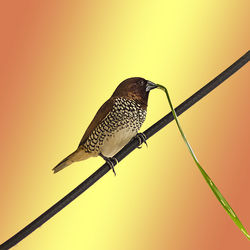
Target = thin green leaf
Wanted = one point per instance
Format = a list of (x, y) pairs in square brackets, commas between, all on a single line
[(215, 190)]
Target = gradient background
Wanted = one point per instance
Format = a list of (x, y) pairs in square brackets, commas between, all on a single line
[(60, 60)]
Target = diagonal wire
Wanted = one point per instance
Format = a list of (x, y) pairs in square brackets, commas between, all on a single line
[(133, 144)]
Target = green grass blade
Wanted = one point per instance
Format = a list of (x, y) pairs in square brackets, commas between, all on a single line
[(215, 190)]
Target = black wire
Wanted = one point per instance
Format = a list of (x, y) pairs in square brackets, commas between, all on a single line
[(133, 144)]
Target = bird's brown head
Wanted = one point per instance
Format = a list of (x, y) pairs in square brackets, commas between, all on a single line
[(135, 88)]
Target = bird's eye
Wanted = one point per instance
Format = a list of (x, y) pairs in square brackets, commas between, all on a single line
[(141, 83)]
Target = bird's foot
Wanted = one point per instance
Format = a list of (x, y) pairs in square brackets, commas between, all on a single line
[(111, 161), (142, 139)]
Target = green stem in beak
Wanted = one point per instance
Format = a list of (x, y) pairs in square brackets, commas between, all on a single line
[(215, 190)]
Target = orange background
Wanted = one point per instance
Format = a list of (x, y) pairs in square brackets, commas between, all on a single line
[(60, 60)]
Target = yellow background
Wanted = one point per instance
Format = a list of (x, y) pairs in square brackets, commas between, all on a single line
[(60, 60)]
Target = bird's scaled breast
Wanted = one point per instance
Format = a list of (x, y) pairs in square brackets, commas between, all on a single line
[(117, 128)]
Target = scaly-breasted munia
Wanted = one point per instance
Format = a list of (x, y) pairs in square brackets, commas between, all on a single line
[(115, 124)]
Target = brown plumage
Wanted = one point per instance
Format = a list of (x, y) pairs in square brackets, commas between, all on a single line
[(115, 124)]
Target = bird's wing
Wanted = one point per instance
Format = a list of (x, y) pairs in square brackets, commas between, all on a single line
[(99, 117)]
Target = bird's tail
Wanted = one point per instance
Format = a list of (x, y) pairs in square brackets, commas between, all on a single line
[(63, 164), (77, 155)]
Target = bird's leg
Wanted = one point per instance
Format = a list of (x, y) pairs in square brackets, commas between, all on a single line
[(142, 139), (111, 161)]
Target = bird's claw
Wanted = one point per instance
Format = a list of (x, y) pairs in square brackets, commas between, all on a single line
[(142, 139), (112, 161)]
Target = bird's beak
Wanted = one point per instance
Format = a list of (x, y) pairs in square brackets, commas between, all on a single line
[(150, 85)]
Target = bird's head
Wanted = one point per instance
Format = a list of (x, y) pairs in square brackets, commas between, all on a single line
[(135, 88)]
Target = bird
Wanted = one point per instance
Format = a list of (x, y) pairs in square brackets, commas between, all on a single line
[(116, 122)]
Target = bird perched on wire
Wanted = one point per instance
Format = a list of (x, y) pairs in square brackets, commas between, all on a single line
[(115, 124)]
